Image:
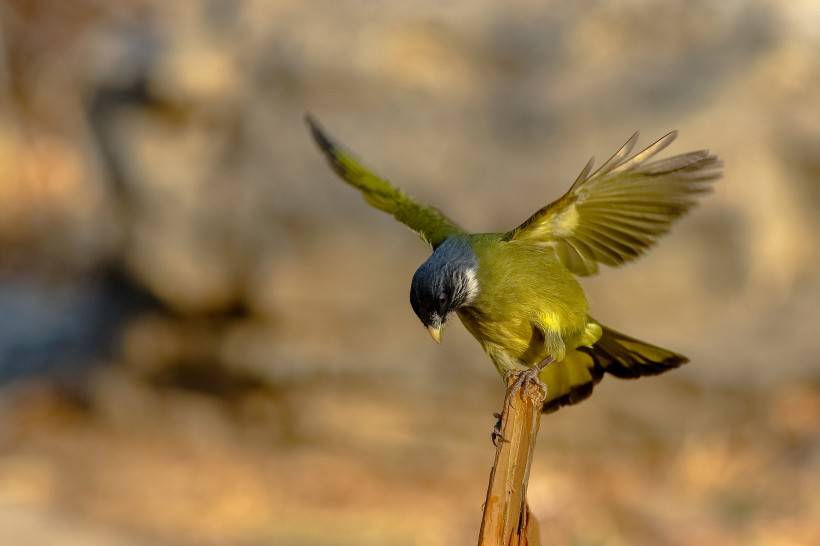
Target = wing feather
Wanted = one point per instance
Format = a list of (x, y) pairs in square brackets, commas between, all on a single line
[(615, 214), (430, 223), (618, 157)]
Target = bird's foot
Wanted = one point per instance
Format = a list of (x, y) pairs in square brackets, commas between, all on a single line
[(530, 375), (496, 435)]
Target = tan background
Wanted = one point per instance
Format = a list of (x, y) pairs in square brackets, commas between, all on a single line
[(205, 338)]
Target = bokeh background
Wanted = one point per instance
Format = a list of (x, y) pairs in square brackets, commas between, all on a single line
[(205, 337)]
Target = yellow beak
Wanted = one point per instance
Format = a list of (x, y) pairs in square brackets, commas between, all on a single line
[(435, 333)]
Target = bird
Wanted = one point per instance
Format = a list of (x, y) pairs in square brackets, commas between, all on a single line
[(518, 292)]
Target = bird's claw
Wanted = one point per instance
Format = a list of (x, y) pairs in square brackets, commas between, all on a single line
[(530, 376)]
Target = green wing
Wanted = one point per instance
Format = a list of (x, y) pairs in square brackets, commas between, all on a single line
[(427, 221), (615, 214)]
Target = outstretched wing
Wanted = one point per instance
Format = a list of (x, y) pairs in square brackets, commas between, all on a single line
[(427, 221), (615, 214)]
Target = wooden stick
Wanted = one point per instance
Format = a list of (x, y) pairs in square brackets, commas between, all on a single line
[(507, 519)]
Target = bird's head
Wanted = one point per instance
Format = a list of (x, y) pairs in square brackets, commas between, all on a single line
[(444, 283)]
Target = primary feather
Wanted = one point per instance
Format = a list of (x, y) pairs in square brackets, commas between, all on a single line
[(615, 214), (430, 223)]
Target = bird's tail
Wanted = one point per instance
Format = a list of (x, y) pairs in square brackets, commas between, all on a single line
[(572, 380), (627, 357)]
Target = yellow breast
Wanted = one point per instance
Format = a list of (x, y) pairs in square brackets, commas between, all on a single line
[(527, 298)]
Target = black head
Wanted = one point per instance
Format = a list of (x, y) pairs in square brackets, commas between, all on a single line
[(445, 282)]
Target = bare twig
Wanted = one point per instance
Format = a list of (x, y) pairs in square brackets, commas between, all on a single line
[(507, 519)]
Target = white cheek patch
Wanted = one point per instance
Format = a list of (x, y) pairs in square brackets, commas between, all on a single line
[(471, 285)]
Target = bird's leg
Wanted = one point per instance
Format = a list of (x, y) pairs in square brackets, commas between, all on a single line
[(522, 377), (544, 363)]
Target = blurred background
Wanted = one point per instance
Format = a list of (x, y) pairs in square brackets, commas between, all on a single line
[(205, 337)]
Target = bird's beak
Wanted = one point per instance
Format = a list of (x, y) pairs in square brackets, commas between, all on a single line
[(435, 333)]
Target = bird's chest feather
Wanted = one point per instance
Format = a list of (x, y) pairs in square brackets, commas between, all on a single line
[(523, 293)]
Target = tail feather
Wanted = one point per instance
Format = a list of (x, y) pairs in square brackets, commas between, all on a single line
[(573, 379), (628, 358)]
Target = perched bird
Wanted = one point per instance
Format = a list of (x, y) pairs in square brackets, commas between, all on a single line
[(517, 292)]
